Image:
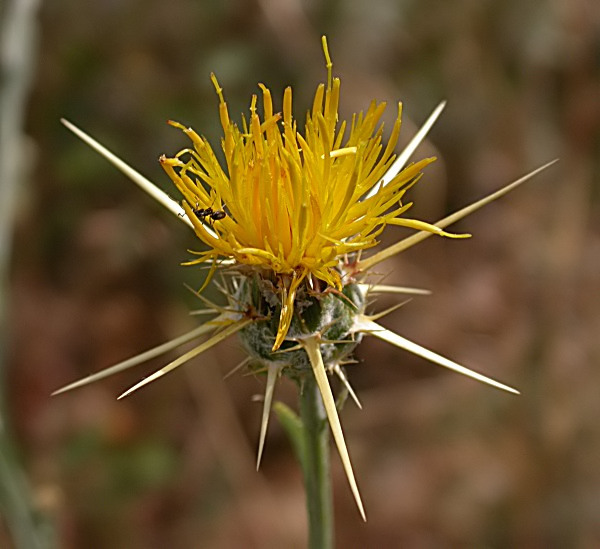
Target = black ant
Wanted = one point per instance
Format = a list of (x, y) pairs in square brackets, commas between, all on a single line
[(203, 213)]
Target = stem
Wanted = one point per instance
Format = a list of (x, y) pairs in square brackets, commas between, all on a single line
[(18, 47), (316, 467)]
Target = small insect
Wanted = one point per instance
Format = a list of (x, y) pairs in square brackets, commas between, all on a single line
[(213, 215)]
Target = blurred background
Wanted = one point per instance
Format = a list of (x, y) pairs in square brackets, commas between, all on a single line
[(91, 275)]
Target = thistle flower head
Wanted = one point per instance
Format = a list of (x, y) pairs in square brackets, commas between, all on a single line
[(291, 211), (295, 202)]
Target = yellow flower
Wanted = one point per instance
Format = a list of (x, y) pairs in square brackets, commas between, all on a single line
[(298, 203), (293, 211)]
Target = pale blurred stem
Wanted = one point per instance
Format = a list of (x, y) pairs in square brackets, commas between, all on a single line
[(17, 46), (316, 466)]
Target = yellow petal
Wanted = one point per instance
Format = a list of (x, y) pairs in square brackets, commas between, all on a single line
[(287, 309)]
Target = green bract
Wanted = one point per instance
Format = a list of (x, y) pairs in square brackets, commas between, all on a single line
[(330, 315)]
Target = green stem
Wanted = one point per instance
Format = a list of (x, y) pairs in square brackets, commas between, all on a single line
[(316, 467)]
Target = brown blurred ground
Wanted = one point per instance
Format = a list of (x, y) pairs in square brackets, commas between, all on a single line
[(441, 461)]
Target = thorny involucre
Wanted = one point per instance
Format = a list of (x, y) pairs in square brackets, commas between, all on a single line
[(285, 221)]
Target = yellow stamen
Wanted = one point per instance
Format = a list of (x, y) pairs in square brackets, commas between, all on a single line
[(295, 202), (341, 152)]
